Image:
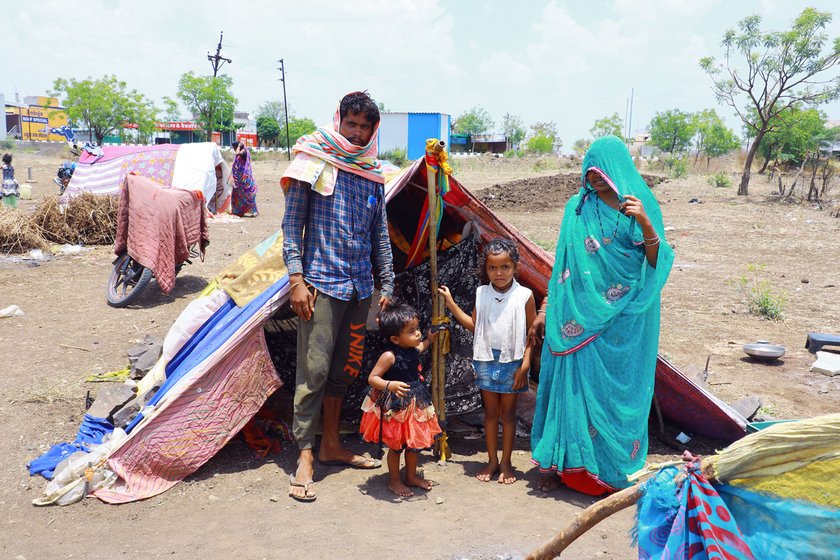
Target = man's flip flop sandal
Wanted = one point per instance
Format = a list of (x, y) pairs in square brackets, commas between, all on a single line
[(309, 491)]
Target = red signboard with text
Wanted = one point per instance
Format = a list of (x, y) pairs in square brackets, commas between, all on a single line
[(247, 138)]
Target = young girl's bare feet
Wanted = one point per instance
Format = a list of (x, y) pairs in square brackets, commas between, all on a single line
[(507, 476), (419, 482), (485, 474), (400, 489)]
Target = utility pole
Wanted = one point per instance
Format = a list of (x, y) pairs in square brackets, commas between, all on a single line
[(216, 61), (630, 121), (285, 107), (627, 121)]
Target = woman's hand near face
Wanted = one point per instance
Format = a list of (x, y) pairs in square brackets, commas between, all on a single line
[(634, 208)]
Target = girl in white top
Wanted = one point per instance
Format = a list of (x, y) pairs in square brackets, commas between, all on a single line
[(503, 313)]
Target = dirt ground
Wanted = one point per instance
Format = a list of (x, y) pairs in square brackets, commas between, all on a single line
[(236, 506)]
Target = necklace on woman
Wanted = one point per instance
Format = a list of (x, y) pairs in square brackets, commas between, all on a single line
[(607, 239)]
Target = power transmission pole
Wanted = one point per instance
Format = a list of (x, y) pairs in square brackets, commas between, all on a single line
[(285, 107), (216, 60), (630, 121)]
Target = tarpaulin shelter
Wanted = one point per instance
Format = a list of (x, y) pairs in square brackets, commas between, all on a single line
[(182, 166), (235, 344)]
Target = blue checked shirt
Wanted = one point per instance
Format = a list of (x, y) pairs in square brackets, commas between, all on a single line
[(332, 240)]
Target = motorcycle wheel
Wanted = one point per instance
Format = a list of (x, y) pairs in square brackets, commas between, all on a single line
[(128, 280)]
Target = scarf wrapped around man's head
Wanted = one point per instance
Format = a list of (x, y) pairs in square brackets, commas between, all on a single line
[(326, 148)]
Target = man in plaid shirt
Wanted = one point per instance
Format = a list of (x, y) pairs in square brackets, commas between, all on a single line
[(329, 244)]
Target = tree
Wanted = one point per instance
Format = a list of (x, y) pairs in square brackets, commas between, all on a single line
[(712, 137), (671, 131), (543, 138), (273, 109), (608, 126), (513, 128), (792, 136), (474, 121), (210, 100), (581, 145), (170, 111), (268, 129), (773, 71), (105, 105), (297, 128)]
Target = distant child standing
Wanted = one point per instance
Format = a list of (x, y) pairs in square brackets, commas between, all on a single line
[(503, 313), (9, 192), (400, 399)]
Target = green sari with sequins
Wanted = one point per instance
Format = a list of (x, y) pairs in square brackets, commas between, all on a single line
[(602, 333)]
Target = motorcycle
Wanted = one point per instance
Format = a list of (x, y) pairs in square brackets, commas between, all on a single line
[(183, 235), (129, 279)]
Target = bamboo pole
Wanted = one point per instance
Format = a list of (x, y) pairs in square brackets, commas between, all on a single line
[(585, 520), (433, 148)]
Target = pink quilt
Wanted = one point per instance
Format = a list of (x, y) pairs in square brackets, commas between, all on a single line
[(208, 409), (157, 225)]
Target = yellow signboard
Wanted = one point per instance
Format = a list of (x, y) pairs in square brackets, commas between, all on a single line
[(43, 123)]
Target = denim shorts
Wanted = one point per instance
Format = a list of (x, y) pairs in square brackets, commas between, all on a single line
[(495, 376)]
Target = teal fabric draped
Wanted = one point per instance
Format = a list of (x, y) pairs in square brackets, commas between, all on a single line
[(602, 333)]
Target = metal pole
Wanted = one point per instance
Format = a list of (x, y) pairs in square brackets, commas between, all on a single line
[(285, 108)]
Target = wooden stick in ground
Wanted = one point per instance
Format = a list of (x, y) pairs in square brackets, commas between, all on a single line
[(432, 149), (585, 520)]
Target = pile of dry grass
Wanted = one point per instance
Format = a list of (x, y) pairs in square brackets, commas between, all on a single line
[(17, 233), (88, 219)]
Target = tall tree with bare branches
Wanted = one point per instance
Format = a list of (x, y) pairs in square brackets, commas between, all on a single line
[(764, 73)]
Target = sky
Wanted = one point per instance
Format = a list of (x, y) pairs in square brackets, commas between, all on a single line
[(570, 62)]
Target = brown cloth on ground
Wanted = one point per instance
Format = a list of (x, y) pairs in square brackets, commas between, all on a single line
[(164, 223)]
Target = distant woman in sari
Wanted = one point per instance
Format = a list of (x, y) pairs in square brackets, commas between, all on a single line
[(600, 322), (243, 200)]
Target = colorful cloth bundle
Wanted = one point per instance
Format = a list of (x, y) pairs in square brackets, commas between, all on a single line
[(773, 494), (681, 516)]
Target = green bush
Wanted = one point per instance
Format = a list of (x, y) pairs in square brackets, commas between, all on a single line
[(549, 246), (762, 299), (397, 156), (7, 144), (720, 180), (678, 166), (540, 144)]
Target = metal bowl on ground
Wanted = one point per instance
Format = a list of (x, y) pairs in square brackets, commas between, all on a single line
[(764, 351)]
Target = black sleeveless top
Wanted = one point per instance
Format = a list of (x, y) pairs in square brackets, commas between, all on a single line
[(406, 366)]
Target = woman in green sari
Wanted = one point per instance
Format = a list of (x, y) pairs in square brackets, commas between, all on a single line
[(601, 327)]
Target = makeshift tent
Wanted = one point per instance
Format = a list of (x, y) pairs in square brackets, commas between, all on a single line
[(182, 166), (234, 345)]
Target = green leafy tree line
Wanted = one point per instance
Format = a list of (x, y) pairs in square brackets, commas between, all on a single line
[(105, 105), (764, 73)]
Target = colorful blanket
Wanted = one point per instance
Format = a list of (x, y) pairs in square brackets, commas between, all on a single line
[(319, 156), (199, 418), (105, 175), (163, 224), (682, 516)]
